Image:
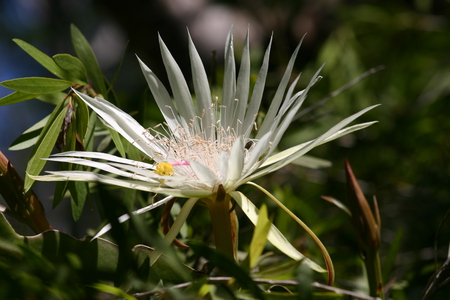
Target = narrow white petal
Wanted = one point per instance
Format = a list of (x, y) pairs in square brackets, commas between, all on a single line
[(258, 89), (126, 183), (286, 153), (162, 97), (223, 165), (203, 173), (310, 145), (202, 90), (123, 123), (107, 157), (236, 162), (126, 217), (180, 90)]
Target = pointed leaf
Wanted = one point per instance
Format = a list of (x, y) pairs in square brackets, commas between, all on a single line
[(72, 65), (17, 97), (54, 99), (44, 145), (45, 60), (176, 227), (87, 57), (275, 236), (29, 137), (36, 85), (259, 236)]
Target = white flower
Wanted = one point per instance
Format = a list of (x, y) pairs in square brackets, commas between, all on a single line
[(207, 145)]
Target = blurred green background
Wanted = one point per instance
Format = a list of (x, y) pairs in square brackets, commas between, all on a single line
[(404, 159)]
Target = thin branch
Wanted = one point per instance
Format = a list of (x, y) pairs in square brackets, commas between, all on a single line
[(225, 279)]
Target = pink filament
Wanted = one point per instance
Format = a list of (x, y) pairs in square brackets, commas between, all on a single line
[(179, 163)]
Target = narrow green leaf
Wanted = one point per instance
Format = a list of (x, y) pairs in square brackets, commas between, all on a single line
[(87, 57), (275, 236), (82, 119), (45, 144), (45, 60), (108, 289), (29, 137), (117, 139), (54, 99), (78, 191), (175, 229), (36, 85), (259, 236), (72, 65), (16, 97)]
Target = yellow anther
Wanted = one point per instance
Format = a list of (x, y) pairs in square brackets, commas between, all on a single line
[(164, 169)]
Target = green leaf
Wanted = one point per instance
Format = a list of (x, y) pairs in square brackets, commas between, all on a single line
[(36, 85), (87, 57), (29, 137), (275, 236), (45, 60), (72, 65), (16, 97), (228, 266), (259, 237), (45, 144), (113, 291), (78, 191), (54, 99), (82, 119), (99, 258), (118, 141)]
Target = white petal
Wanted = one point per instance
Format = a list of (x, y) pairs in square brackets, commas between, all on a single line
[(203, 173), (126, 217), (123, 124), (105, 156), (235, 163), (162, 97), (126, 183)]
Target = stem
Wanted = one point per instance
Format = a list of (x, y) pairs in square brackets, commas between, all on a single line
[(325, 254), (224, 229), (373, 268)]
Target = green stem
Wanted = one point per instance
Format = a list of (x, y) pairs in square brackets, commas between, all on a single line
[(219, 210), (373, 268), (325, 254)]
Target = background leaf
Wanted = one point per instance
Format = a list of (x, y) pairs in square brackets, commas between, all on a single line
[(87, 56), (72, 65), (45, 144), (17, 97), (36, 85)]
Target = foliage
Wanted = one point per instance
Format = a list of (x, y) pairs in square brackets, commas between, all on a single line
[(353, 46)]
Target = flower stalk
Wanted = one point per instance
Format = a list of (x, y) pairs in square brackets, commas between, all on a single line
[(223, 231)]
